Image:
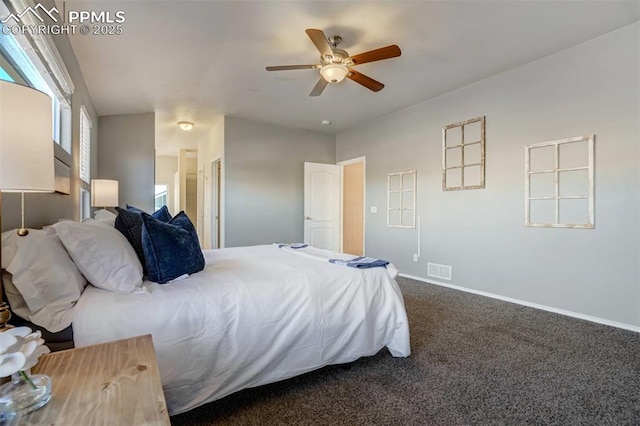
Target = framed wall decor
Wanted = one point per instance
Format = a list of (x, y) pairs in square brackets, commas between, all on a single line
[(401, 199), (559, 183), (463, 155)]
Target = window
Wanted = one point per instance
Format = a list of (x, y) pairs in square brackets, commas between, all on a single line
[(85, 204), (36, 63), (85, 145), (5, 76), (401, 200), (559, 183), (161, 196)]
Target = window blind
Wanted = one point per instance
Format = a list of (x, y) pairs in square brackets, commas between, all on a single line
[(85, 145)]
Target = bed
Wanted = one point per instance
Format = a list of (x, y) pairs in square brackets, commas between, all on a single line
[(254, 315)]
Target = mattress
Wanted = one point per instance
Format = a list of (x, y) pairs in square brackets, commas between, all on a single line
[(254, 315)]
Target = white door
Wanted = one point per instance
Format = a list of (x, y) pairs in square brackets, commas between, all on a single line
[(322, 205)]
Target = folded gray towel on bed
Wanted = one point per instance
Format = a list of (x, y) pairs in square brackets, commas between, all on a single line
[(361, 262), (293, 246)]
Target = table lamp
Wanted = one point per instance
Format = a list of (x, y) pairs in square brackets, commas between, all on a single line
[(104, 193), (26, 144)]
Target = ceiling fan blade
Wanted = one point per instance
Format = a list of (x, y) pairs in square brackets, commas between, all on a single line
[(376, 55), (320, 40), (291, 67), (319, 87), (367, 82)]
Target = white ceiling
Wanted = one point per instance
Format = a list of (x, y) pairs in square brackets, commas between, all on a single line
[(199, 60)]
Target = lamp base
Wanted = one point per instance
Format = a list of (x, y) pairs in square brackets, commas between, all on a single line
[(23, 231), (5, 315)]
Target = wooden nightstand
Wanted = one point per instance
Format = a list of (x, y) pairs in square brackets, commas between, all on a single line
[(115, 383)]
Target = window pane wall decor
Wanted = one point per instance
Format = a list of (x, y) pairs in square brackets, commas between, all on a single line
[(463, 155), (559, 179), (401, 199)]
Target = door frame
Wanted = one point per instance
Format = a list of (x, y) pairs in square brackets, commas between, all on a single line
[(363, 160), (215, 208)]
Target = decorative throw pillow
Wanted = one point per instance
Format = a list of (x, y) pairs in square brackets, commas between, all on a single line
[(171, 249), (129, 223), (161, 214), (102, 254)]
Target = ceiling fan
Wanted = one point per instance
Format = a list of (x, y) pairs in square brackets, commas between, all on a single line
[(335, 64)]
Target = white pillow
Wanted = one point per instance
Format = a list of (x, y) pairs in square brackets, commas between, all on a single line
[(10, 240), (105, 216), (103, 255), (17, 303), (44, 284)]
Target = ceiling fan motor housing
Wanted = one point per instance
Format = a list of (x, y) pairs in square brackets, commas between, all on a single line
[(338, 57)]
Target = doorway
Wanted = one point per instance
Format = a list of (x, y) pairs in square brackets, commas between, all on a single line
[(353, 198), (334, 206)]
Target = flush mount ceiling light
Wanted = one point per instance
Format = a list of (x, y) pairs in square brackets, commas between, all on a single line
[(334, 73), (186, 125)]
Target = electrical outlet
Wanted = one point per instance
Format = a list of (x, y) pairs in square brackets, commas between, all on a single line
[(415, 257)]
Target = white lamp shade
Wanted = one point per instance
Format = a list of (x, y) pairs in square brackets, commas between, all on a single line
[(104, 193), (26, 141)]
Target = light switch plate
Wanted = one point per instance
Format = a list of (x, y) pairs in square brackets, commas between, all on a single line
[(374, 209)]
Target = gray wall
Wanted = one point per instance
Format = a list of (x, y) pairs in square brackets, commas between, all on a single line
[(264, 180), (44, 209), (126, 153), (590, 88)]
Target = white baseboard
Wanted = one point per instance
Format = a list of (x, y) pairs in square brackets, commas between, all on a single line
[(529, 304)]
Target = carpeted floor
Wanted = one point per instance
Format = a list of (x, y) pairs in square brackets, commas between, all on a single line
[(474, 361)]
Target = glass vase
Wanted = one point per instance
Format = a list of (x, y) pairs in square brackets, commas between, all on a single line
[(8, 415), (26, 392)]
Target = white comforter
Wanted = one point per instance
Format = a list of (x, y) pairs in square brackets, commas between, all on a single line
[(254, 316)]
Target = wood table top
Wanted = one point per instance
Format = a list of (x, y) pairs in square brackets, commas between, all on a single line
[(115, 383)]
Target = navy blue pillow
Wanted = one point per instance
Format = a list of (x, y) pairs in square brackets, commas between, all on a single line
[(161, 214), (170, 249), (129, 223)]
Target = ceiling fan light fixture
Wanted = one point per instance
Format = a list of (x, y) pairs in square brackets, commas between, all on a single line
[(334, 73), (186, 125)]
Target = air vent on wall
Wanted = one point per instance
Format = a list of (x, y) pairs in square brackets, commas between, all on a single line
[(439, 271)]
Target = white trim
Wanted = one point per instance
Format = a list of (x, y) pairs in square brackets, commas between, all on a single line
[(352, 161), (84, 205), (218, 207), (341, 208), (419, 229), (530, 304), (84, 172), (84, 111), (47, 48), (223, 205)]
